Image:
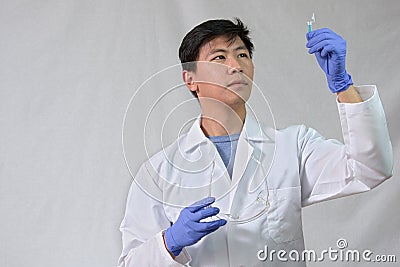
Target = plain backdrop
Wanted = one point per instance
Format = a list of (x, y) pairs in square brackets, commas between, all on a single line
[(68, 70)]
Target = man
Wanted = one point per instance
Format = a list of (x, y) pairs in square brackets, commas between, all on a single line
[(256, 178)]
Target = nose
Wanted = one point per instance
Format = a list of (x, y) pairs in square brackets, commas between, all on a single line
[(234, 66)]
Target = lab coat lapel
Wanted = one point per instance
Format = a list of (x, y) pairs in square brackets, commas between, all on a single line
[(243, 155), (220, 178), (255, 147)]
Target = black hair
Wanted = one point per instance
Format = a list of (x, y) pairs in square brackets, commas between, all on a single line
[(207, 31)]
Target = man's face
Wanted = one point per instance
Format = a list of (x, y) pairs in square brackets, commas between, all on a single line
[(224, 72)]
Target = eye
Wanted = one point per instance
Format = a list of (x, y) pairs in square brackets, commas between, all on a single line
[(243, 55), (219, 57)]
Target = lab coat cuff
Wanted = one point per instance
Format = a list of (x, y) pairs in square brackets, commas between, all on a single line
[(183, 259), (369, 95)]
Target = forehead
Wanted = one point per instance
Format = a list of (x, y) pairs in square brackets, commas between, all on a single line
[(220, 42)]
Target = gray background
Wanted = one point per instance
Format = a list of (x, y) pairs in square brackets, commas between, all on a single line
[(69, 68)]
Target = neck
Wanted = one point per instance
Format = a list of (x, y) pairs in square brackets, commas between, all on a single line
[(223, 120)]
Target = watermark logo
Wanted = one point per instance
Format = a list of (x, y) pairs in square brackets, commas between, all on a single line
[(341, 243), (338, 254)]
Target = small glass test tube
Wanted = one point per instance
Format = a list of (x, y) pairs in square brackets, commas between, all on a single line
[(309, 23), (309, 26)]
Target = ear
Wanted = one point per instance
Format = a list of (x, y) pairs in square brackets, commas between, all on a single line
[(188, 79)]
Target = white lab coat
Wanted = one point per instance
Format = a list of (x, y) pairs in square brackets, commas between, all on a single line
[(303, 168)]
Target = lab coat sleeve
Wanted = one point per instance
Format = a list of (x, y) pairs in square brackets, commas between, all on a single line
[(329, 169), (143, 224)]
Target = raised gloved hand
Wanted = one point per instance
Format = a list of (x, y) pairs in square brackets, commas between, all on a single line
[(188, 230), (330, 50)]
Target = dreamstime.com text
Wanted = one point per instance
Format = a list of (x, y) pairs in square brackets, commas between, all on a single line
[(339, 254)]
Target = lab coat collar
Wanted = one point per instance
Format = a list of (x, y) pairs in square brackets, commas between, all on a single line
[(252, 132), (194, 136)]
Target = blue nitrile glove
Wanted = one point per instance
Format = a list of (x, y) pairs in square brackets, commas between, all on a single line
[(188, 230), (330, 51)]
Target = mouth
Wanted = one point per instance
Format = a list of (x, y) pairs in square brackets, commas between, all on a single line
[(238, 83)]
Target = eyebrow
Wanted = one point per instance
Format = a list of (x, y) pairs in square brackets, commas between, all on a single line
[(242, 47)]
